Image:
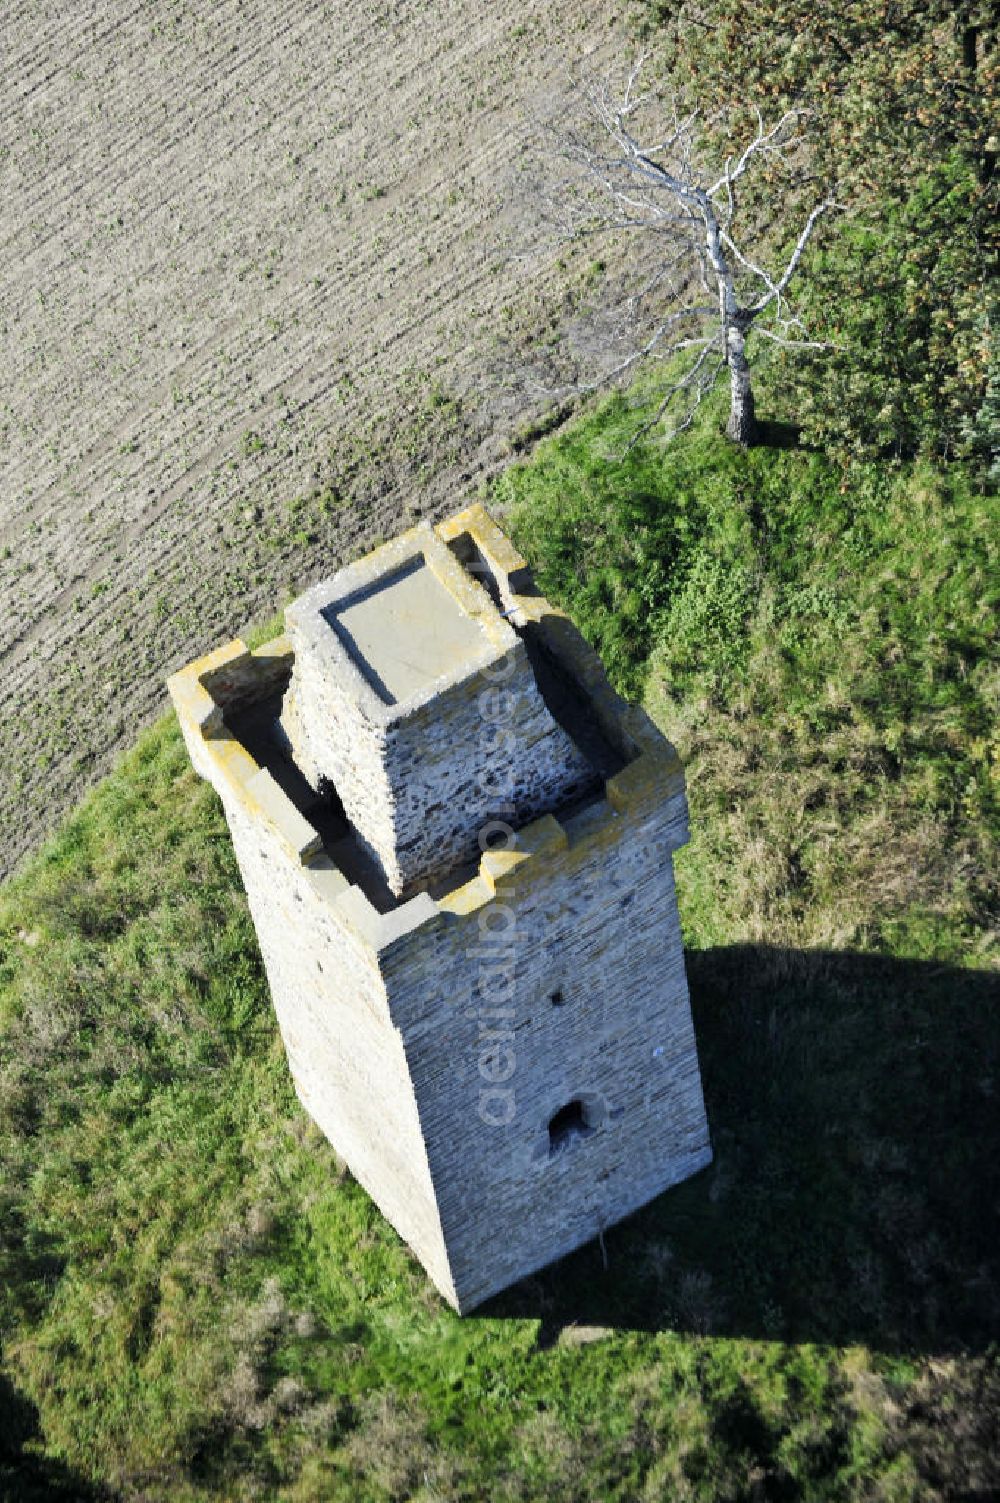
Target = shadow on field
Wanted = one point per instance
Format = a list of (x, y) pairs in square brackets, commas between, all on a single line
[(854, 1105), (26, 1477)]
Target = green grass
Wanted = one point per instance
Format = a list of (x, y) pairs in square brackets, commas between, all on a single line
[(197, 1302), (820, 644)]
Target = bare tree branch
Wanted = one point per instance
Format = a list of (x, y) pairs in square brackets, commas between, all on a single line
[(642, 167), (793, 344), (796, 256)]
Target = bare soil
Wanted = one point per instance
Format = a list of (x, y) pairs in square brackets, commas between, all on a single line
[(266, 293)]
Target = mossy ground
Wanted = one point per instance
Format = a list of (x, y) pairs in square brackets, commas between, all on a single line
[(197, 1302)]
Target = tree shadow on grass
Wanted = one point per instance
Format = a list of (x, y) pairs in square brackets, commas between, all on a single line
[(26, 1476), (773, 434), (854, 1106)]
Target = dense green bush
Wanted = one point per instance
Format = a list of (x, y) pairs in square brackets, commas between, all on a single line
[(901, 103)]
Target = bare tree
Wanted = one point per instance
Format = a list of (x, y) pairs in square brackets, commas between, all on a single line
[(644, 167)]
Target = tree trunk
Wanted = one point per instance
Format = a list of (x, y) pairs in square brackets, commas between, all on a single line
[(742, 425)]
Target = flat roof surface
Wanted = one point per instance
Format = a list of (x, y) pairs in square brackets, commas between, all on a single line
[(405, 630)]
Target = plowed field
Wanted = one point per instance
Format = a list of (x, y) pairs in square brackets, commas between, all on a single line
[(266, 283)]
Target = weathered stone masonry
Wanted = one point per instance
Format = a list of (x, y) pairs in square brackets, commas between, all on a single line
[(401, 750), (505, 1058)]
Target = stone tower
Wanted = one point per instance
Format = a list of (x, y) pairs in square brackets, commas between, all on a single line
[(456, 842)]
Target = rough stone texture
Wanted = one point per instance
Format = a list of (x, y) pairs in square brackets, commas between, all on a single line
[(346, 1058), (462, 735), (595, 924), (509, 1066)]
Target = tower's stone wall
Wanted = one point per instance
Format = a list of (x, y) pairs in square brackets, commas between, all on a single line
[(509, 1066), (591, 919), (346, 1057)]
